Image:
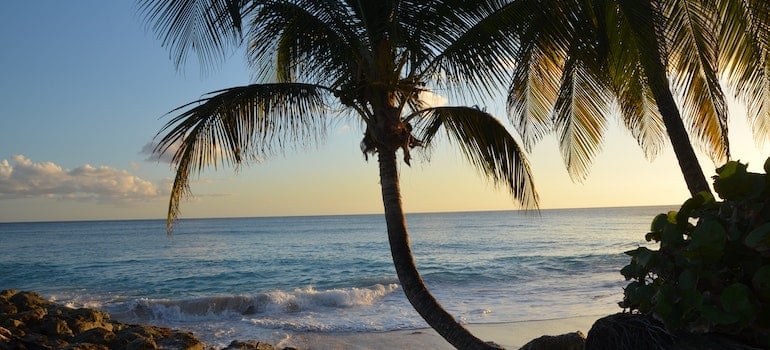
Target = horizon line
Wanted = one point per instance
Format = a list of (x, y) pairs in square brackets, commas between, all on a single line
[(329, 214)]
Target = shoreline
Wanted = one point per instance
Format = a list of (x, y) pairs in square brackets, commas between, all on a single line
[(510, 335), (30, 319)]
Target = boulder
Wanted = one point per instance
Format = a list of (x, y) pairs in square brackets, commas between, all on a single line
[(53, 326), (95, 336), (5, 335), (642, 332), (26, 300), (569, 341), (249, 345), (141, 343), (28, 321), (81, 320)]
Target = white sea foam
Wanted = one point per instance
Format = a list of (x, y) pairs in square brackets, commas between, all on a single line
[(267, 304), (227, 279)]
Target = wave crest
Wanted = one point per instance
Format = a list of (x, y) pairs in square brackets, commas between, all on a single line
[(265, 304)]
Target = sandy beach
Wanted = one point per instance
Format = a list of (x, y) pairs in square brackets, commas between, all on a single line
[(510, 335), (31, 319)]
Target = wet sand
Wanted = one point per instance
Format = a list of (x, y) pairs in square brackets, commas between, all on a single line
[(510, 335)]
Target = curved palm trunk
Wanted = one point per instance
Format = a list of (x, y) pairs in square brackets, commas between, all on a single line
[(414, 287), (641, 14), (680, 141)]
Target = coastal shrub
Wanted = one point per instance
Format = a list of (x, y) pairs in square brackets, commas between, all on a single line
[(711, 272)]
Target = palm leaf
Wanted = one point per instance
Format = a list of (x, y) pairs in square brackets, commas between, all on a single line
[(759, 105), (536, 76), (693, 49), (476, 49), (314, 40), (638, 109), (580, 117), (206, 27), (239, 124), (744, 42), (739, 44), (640, 115), (485, 143)]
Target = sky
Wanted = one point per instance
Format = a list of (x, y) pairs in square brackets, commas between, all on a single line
[(85, 87)]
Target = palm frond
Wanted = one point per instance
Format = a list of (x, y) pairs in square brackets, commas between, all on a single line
[(759, 104), (544, 39), (640, 115), (580, 117), (532, 94), (206, 27), (239, 124), (315, 40), (739, 43), (486, 144), (693, 57), (478, 49), (638, 109), (744, 39)]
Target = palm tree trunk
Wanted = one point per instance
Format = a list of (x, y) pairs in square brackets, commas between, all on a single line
[(680, 141), (411, 282), (642, 14)]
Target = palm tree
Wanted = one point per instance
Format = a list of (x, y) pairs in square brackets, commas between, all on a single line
[(578, 57), (371, 59)]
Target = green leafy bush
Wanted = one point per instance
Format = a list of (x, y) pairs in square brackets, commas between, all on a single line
[(712, 270)]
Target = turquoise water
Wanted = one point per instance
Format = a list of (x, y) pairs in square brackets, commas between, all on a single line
[(269, 278)]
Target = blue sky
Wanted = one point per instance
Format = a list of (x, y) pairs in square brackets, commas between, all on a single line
[(84, 86)]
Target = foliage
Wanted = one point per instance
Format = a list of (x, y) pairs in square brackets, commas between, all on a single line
[(712, 271), (375, 61)]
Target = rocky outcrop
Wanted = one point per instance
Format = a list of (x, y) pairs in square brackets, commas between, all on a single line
[(28, 321), (642, 332), (569, 341)]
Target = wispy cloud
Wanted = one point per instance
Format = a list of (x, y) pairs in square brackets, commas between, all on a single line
[(344, 129), (432, 99), (165, 157), (23, 178)]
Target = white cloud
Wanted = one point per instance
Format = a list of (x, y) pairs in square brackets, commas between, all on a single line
[(23, 178), (432, 99), (344, 129), (165, 157)]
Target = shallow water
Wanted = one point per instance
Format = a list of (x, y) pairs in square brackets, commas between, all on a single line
[(270, 278)]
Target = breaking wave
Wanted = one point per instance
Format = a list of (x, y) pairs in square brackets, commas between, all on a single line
[(268, 304)]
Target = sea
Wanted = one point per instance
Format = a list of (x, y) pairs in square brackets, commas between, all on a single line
[(272, 278)]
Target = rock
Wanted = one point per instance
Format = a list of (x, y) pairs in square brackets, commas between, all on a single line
[(81, 320), (32, 316), (55, 327), (5, 335), (35, 340), (27, 300), (181, 340), (141, 343), (6, 306), (642, 332), (569, 341), (11, 323), (95, 336), (28, 321), (249, 345), (86, 346), (628, 331), (8, 293)]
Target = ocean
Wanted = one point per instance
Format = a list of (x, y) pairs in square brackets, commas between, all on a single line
[(275, 277)]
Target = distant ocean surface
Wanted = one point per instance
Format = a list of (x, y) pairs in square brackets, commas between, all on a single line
[(271, 278)]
